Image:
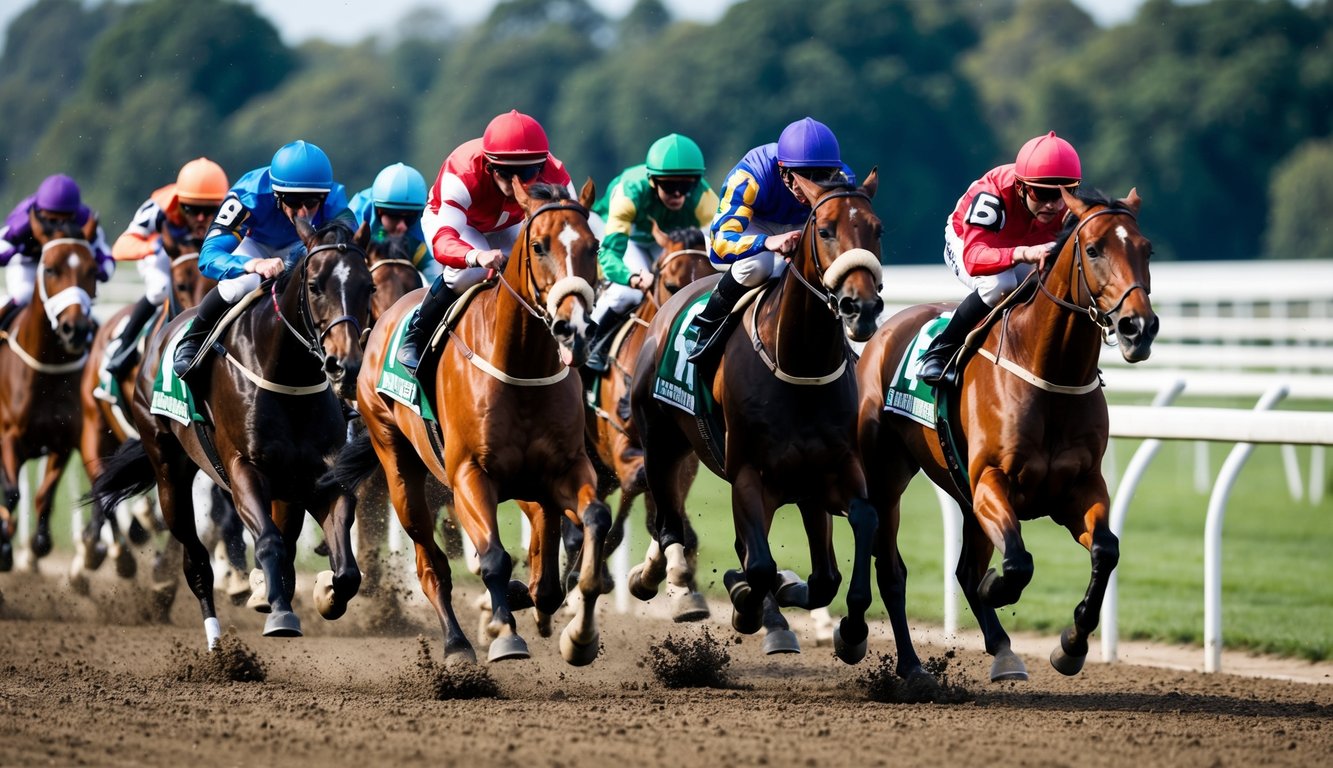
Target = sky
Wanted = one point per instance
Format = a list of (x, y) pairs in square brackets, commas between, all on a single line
[(346, 21)]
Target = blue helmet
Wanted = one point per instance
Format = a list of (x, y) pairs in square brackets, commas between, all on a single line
[(301, 167), (808, 143), (399, 187)]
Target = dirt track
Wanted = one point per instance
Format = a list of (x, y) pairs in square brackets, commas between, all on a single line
[(94, 683)]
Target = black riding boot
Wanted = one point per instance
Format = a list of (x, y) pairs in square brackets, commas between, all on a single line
[(208, 313), (127, 354), (600, 347), (711, 324), (965, 317), (432, 312)]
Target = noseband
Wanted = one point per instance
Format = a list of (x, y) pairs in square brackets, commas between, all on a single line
[(313, 338), (1102, 319), (825, 294)]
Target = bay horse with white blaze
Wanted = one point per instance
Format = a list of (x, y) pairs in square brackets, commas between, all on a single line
[(787, 393), (272, 396), (42, 355), (511, 421), (1031, 422)]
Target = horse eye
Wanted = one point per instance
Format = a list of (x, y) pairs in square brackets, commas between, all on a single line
[(538, 248), (314, 287), (825, 233), (1092, 251)]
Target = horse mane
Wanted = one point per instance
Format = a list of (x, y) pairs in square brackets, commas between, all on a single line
[(1092, 198), (691, 238), (548, 192)]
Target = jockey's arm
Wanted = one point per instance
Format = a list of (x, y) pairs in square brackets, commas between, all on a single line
[(620, 216), (217, 259), (141, 238), (727, 237), (450, 244)]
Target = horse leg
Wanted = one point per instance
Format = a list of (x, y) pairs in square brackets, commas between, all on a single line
[(680, 563), (229, 526), (973, 560), (474, 504), (336, 587), (891, 576), (177, 504), (665, 451), (274, 581), (55, 469), (996, 517), (752, 514), (372, 531), (1092, 531), (580, 640), (545, 588), (850, 639)]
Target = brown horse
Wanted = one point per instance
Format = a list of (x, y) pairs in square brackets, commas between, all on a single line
[(611, 431), (274, 409), (107, 424), (391, 266), (1031, 424), (511, 420), (787, 394), (41, 358)]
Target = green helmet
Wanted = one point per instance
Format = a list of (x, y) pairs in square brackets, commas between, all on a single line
[(675, 155)]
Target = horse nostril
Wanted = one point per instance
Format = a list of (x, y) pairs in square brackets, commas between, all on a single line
[(562, 328), (331, 364)]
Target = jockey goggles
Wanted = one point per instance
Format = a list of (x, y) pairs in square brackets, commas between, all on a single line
[(525, 173), (301, 200), (410, 217), (1043, 194), (676, 187), (191, 210)]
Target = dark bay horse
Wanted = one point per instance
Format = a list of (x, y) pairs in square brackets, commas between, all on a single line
[(1031, 423), (391, 266), (511, 420), (611, 432), (107, 424), (275, 410), (787, 392), (42, 355)]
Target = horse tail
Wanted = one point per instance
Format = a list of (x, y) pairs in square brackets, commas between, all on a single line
[(126, 474), (356, 461)]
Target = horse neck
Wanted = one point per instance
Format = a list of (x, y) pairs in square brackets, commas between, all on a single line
[(808, 338), (33, 328), (1057, 344), (281, 350), (522, 344)]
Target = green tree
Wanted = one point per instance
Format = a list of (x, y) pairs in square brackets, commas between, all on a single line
[(1299, 200)]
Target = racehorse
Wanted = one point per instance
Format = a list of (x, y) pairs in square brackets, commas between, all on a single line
[(107, 424), (41, 358), (611, 432), (787, 395), (274, 413), (511, 425), (1031, 423), (392, 268)]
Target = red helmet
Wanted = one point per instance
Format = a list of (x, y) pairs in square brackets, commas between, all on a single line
[(515, 139), (1048, 160)]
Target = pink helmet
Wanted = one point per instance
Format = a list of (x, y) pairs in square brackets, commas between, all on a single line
[(515, 139), (1048, 160)]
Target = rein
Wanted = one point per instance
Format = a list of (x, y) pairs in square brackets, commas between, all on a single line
[(397, 263), (66, 297), (665, 260), (313, 339), (1102, 319)]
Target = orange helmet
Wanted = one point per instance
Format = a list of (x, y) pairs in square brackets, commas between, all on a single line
[(515, 139), (202, 181), (1048, 161)]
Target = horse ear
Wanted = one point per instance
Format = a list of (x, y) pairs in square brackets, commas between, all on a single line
[(811, 190), (90, 228), (588, 194), (1132, 201), (871, 183), (659, 236), (521, 195), (1072, 201), (304, 229), (37, 226), (362, 236)]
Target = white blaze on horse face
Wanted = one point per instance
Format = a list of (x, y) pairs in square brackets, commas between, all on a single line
[(1122, 233), (851, 213), (342, 273), (569, 236), (73, 262)]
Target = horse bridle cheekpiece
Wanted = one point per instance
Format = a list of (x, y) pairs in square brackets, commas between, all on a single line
[(855, 258), (66, 297), (313, 338), (1102, 319), (569, 285)]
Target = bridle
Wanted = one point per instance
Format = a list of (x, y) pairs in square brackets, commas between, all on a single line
[(313, 338), (666, 259), (825, 294), (1103, 319), (563, 287)]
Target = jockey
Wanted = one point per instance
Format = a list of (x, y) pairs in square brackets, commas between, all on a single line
[(57, 200), (392, 206), (184, 210), (760, 217), (667, 189), (472, 219), (1005, 222), (253, 236)]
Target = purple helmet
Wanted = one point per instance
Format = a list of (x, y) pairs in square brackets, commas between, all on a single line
[(808, 143), (58, 194)]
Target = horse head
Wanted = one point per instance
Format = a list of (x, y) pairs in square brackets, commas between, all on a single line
[(67, 278), (1111, 259), (684, 260), (556, 259), (840, 252), (188, 284), (336, 287), (392, 267)]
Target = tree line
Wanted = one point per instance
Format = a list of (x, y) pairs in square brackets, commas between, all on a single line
[(1219, 113)]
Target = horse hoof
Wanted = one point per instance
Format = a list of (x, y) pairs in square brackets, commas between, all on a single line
[(6, 557), (543, 621), (78, 582), (1007, 666), (507, 647), (93, 556), (849, 653), (282, 624), (575, 653), (746, 624), (791, 591), (460, 657), (1069, 655), (690, 606), (326, 601), (518, 596), (823, 627), (238, 587), (137, 533), (781, 641), (126, 565), (639, 584), (258, 592)]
